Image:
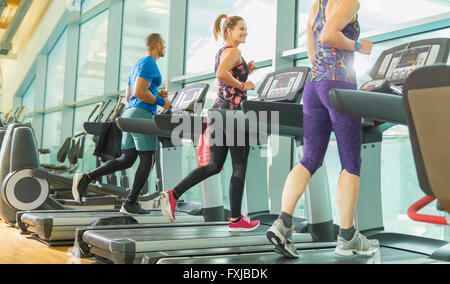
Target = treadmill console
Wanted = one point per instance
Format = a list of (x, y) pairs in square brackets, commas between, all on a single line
[(284, 86), (189, 97), (172, 95), (396, 64)]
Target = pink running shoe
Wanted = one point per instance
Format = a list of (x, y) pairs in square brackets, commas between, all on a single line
[(244, 225), (168, 205)]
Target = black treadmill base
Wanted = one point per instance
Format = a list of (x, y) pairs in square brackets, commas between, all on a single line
[(64, 243), (100, 260)]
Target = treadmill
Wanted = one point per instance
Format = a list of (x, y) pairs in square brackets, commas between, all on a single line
[(186, 111), (25, 186), (2, 135), (130, 244), (380, 103), (57, 227), (18, 188), (381, 110)]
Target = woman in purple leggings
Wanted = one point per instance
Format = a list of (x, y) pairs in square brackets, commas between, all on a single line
[(333, 32)]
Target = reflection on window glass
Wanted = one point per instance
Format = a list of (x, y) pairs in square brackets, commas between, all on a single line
[(28, 98), (142, 18), (399, 12), (92, 57), (51, 138), (89, 4), (54, 92), (201, 46)]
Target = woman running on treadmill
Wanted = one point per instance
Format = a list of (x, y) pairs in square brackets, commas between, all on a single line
[(143, 98), (232, 73), (332, 40)]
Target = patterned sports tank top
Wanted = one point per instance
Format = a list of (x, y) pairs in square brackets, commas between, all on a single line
[(332, 63), (229, 97)]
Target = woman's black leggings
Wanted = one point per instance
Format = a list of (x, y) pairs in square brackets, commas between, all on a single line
[(218, 156), (124, 162)]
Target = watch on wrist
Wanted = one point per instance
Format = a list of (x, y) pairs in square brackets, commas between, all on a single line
[(358, 46)]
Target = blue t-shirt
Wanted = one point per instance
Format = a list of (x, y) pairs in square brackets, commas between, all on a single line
[(147, 69)]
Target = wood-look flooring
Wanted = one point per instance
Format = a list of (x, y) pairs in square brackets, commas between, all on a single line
[(18, 249)]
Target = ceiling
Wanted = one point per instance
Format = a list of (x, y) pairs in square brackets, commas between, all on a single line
[(8, 9), (18, 21)]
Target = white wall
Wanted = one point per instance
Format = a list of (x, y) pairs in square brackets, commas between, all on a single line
[(30, 39)]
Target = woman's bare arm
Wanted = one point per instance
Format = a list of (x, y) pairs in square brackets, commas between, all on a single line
[(342, 14), (310, 40), (230, 58)]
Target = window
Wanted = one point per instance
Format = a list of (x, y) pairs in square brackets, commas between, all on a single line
[(28, 98), (51, 138), (54, 92), (201, 46), (81, 116), (89, 4), (141, 19), (399, 12), (92, 57)]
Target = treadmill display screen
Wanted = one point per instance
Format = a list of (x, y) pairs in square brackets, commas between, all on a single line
[(172, 96), (282, 85), (411, 57), (186, 98), (406, 61), (190, 95)]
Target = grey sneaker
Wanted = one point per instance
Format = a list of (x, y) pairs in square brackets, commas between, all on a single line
[(281, 236), (358, 245)]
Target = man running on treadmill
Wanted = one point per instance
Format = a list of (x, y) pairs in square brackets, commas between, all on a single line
[(143, 98)]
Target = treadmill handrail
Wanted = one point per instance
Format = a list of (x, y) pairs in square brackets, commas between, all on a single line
[(369, 105), (170, 122), (290, 117), (141, 126), (93, 128)]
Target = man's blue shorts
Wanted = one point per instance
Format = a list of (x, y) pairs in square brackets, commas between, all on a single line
[(140, 142)]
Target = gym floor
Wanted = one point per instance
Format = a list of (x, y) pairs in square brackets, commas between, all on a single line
[(17, 249)]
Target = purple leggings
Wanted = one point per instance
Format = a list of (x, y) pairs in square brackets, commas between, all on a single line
[(320, 118)]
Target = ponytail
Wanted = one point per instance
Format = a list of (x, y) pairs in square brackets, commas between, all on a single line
[(218, 25), (230, 23)]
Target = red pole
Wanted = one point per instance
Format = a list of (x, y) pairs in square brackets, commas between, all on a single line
[(419, 205)]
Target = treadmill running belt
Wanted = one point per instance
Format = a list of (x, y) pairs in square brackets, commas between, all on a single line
[(178, 238), (307, 256), (61, 226)]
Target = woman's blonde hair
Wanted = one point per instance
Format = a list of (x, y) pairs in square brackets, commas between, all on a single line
[(229, 23)]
